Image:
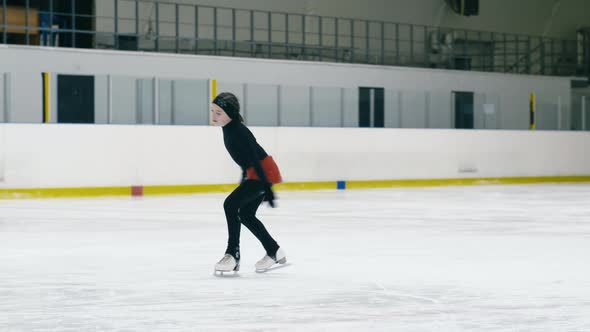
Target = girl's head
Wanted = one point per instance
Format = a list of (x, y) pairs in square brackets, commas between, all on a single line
[(225, 108)]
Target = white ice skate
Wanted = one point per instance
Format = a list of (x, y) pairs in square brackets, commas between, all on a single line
[(267, 262), (227, 264)]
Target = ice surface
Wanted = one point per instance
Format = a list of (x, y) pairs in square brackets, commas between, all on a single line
[(490, 258)]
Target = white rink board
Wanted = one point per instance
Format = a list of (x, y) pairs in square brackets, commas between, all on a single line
[(56, 156)]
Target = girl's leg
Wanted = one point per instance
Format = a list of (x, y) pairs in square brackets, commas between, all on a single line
[(247, 215), (247, 192)]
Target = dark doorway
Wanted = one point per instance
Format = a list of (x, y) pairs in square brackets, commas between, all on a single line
[(75, 99), (464, 115), (371, 107)]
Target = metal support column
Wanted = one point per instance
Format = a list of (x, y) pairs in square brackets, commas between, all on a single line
[(336, 37), (351, 40), (27, 23), (215, 30), (320, 29), (4, 28), (304, 50), (196, 29), (73, 23), (233, 32), (367, 44), (116, 35), (269, 50), (157, 4), (176, 28)]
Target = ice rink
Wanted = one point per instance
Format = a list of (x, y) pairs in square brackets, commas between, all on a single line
[(489, 258)]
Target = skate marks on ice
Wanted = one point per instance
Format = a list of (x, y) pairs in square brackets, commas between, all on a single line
[(226, 274), (275, 267), (384, 290), (440, 315), (237, 274)]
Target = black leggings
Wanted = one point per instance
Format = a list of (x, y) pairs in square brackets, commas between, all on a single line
[(240, 208)]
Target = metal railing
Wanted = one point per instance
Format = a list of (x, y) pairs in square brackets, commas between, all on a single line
[(155, 26)]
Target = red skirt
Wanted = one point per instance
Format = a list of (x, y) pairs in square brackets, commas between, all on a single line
[(270, 168)]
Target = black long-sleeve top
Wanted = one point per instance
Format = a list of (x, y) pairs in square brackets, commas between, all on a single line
[(243, 148)]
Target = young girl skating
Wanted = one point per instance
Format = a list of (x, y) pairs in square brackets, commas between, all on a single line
[(259, 173)]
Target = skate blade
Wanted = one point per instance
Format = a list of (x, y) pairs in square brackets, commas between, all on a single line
[(274, 267), (226, 274)]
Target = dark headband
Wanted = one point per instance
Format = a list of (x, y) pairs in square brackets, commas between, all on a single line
[(228, 108)]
